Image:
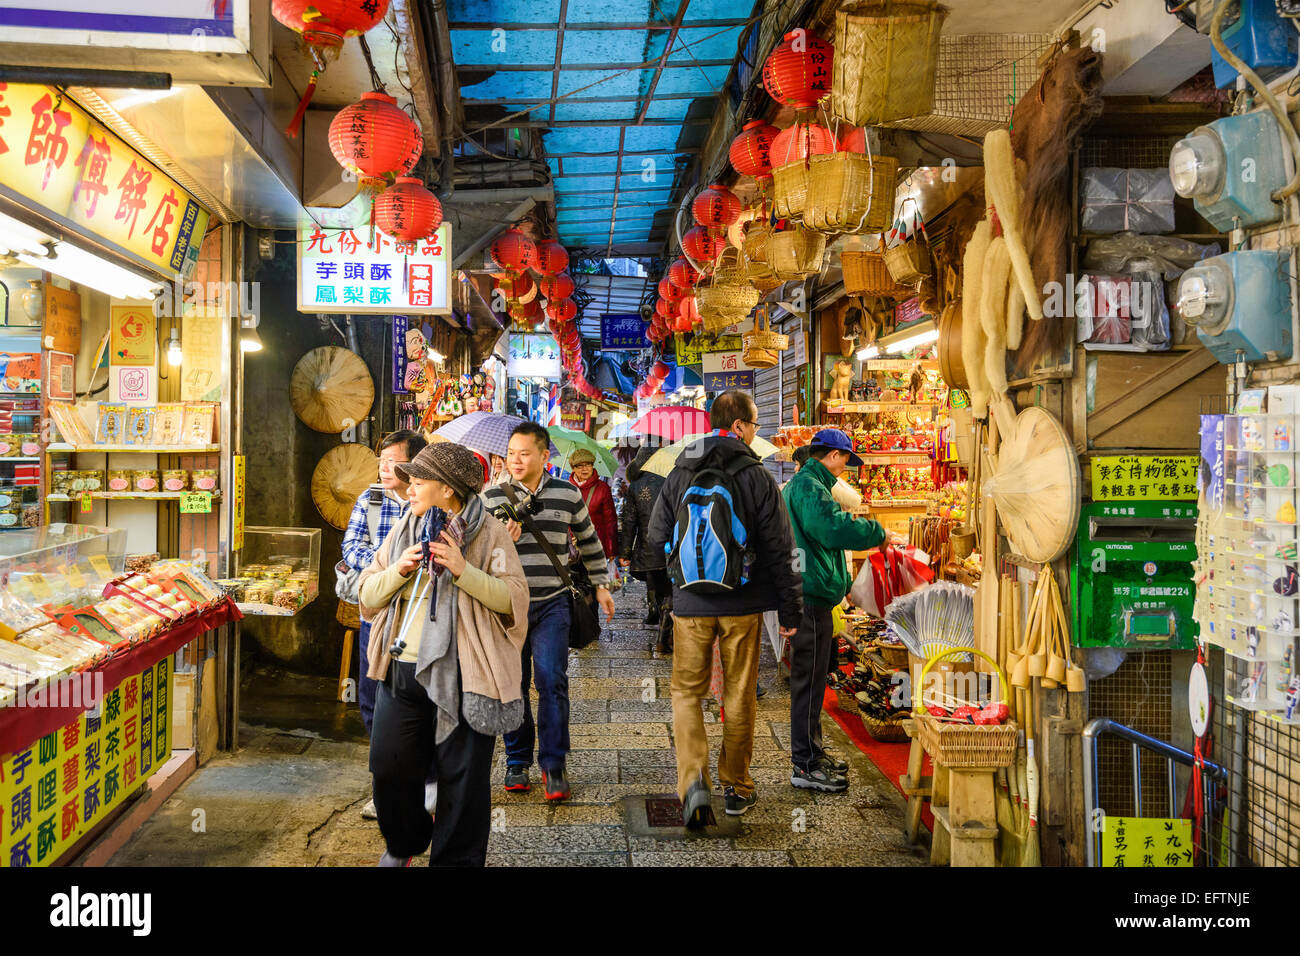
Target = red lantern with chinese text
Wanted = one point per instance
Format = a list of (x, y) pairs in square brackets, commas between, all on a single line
[(513, 251), (558, 286), (750, 151), (663, 308), (682, 274), (669, 291), (552, 258), (716, 207), (374, 138), (700, 246), (801, 141), (562, 310), (661, 370), (407, 210), (798, 73)]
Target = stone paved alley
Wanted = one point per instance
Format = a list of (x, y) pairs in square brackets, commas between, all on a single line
[(292, 794)]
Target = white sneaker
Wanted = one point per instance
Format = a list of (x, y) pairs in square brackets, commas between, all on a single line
[(431, 797), (368, 812)]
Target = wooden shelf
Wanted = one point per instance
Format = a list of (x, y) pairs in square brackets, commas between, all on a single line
[(876, 505), (870, 408), (915, 459), (20, 458), (126, 495), (139, 449)]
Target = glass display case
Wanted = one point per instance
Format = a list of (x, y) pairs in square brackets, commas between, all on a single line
[(60, 564), (278, 571)]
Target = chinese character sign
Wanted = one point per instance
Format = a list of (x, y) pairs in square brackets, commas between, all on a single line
[(620, 331), (58, 157), (1144, 477), (345, 270), (1146, 842), (54, 791)]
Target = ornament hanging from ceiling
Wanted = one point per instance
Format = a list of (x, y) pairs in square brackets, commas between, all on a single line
[(552, 258), (716, 207), (407, 210), (374, 138), (749, 152), (514, 251), (798, 73)]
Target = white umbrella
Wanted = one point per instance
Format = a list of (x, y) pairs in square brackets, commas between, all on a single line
[(663, 461)]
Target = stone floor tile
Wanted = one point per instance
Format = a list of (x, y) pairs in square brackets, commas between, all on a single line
[(711, 858)]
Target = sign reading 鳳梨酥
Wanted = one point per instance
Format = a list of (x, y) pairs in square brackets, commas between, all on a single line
[(344, 270)]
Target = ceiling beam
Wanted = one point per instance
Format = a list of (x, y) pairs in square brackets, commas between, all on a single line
[(663, 59), (613, 211), (561, 124), (595, 27), (520, 103), (576, 67), (559, 55), (644, 152)]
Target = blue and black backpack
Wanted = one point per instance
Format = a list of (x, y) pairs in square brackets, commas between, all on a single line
[(707, 552)]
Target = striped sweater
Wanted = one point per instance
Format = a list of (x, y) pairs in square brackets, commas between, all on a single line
[(562, 510)]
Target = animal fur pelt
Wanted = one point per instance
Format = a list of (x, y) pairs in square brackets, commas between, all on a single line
[(1046, 127)]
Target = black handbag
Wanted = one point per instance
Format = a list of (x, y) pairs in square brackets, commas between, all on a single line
[(584, 625)]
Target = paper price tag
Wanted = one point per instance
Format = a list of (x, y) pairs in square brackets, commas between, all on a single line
[(87, 503), (74, 576), (99, 563), (196, 503), (37, 587)]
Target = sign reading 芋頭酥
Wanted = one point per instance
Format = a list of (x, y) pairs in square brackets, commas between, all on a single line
[(343, 270)]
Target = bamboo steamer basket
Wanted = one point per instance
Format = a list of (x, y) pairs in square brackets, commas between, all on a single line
[(865, 274), (951, 366), (908, 262), (796, 253), (790, 189), (886, 57), (850, 192)]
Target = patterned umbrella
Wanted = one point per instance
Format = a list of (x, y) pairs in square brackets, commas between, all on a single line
[(672, 422), (485, 432)]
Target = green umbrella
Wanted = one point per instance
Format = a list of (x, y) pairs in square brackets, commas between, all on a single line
[(568, 441)]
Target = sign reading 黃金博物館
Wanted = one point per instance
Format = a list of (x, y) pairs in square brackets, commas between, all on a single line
[(1144, 477), (342, 270), (55, 156)]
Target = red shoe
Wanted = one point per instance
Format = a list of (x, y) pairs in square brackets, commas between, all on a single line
[(556, 784)]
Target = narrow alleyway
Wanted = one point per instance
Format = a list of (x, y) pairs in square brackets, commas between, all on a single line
[(291, 796)]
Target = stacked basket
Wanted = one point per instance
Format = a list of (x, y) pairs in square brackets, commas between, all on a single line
[(728, 296), (886, 55)]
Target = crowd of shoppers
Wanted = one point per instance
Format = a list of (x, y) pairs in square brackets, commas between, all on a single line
[(466, 597)]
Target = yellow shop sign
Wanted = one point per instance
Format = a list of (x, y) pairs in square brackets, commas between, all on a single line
[(55, 155)]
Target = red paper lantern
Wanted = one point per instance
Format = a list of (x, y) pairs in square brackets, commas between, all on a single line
[(518, 287), (513, 251), (854, 140), (700, 246), (558, 286), (661, 370), (570, 336), (749, 151), (798, 73), (663, 308), (801, 141), (682, 274), (326, 23), (407, 210), (562, 310), (669, 291), (552, 258), (374, 137), (716, 207), (556, 327), (533, 309)]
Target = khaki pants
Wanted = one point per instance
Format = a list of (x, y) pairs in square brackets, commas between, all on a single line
[(693, 639)]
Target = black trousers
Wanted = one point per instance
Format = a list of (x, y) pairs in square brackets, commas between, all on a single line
[(659, 586), (810, 654), (402, 756)]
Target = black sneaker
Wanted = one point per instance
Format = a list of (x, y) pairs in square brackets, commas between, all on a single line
[(834, 761), (556, 784), (821, 778), (652, 619), (736, 804), (517, 780), (695, 807)]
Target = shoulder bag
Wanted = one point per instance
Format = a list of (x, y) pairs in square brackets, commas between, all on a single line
[(584, 626)]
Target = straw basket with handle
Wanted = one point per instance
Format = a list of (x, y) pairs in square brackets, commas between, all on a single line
[(790, 188), (761, 344), (909, 261), (849, 192), (728, 297), (886, 55), (865, 274), (796, 253), (958, 744)]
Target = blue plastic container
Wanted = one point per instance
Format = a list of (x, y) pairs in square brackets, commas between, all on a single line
[(1265, 41)]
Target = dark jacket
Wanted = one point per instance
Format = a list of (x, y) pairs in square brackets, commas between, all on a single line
[(823, 531), (638, 504), (773, 583)]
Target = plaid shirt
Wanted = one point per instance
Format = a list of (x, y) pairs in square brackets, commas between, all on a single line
[(358, 549)]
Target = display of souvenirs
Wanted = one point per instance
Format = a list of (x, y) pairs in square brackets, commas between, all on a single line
[(71, 650), (165, 425), (951, 502), (70, 424), (885, 482), (119, 479), (19, 445), (175, 479), (111, 429), (199, 423), (21, 668), (168, 421), (145, 480), (17, 616), (20, 372), (203, 479), (139, 425)]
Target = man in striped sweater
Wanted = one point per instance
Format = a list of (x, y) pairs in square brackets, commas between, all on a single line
[(556, 508)]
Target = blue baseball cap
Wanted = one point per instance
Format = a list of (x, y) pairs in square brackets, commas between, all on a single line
[(836, 439)]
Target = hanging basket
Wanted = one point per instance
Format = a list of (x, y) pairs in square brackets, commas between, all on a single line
[(754, 247), (761, 344), (790, 189), (728, 297), (849, 192), (865, 274), (796, 253), (909, 261), (886, 54)]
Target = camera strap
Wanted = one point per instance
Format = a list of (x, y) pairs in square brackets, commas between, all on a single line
[(527, 520)]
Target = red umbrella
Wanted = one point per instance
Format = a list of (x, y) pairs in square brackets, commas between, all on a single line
[(672, 422)]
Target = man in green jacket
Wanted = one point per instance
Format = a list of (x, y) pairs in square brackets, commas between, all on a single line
[(822, 532)]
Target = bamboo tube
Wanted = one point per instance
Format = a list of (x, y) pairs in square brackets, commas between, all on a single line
[(973, 342), (1030, 852)]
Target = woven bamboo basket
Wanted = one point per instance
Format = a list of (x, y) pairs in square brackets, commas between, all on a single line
[(908, 262), (886, 56), (796, 253), (884, 731), (728, 297), (790, 189), (865, 274), (967, 745), (850, 192), (761, 345), (757, 234)]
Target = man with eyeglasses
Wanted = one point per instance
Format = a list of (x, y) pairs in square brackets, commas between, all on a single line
[(730, 613), (376, 511)]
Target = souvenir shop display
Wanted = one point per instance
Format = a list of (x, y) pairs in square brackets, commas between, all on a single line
[(278, 571)]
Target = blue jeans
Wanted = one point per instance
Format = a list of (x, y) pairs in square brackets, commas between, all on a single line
[(546, 652), (365, 686)]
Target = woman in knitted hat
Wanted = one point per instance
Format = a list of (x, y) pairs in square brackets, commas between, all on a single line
[(447, 603), (598, 498)]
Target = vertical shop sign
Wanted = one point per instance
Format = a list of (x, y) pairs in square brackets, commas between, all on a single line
[(54, 791), (61, 330), (134, 330), (399, 354), (237, 533)]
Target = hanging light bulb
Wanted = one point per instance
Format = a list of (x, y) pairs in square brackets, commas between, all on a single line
[(174, 347), (249, 340)]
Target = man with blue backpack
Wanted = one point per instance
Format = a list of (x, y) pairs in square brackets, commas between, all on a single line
[(722, 524)]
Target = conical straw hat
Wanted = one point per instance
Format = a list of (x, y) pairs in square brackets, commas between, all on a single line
[(340, 477), (331, 389)]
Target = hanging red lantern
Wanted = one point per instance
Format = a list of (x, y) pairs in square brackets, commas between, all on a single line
[(519, 288), (562, 309), (669, 291), (716, 207), (407, 210), (556, 327), (798, 73), (513, 251), (552, 258), (570, 335), (663, 308), (661, 370), (682, 274), (558, 286), (853, 140), (749, 151), (700, 246), (801, 141), (533, 309), (374, 138), (325, 24)]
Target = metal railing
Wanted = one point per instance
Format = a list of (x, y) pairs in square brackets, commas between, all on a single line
[(1211, 773)]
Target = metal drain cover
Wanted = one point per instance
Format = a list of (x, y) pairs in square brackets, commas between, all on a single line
[(287, 744), (667, 812), (659, 816)]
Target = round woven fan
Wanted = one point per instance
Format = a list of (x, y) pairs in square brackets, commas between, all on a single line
[(340, 477), (331, 389), (1034, 482)]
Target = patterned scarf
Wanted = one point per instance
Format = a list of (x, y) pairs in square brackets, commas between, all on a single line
[(435, 522)]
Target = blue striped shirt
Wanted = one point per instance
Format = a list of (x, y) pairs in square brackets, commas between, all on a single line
[(358, 549)]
